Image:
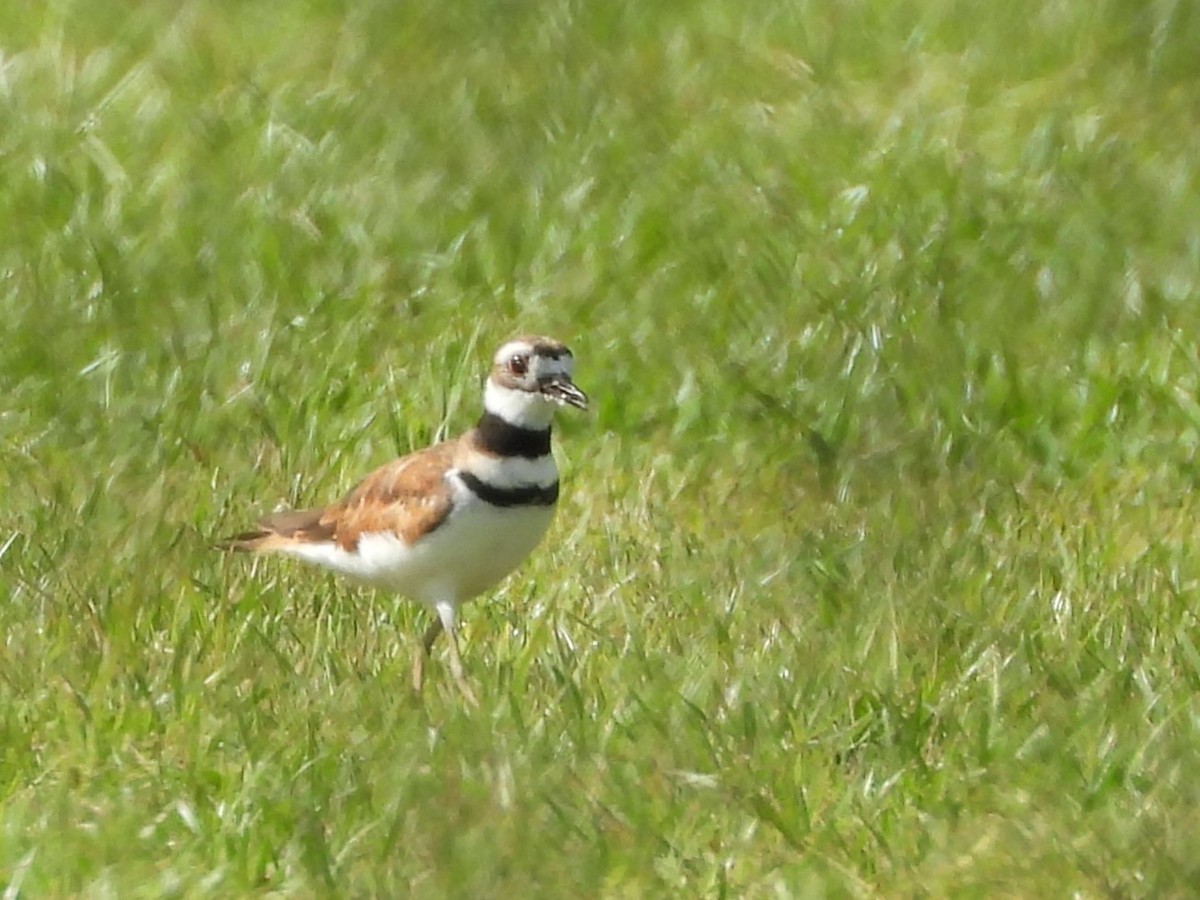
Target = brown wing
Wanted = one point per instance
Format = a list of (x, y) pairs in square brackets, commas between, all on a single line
[(408, 497)]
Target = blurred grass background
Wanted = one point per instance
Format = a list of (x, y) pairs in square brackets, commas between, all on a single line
[(875, 571)]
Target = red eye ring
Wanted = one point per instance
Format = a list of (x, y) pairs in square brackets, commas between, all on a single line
[(518, 365)]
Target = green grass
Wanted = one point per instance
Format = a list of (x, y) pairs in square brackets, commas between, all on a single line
[(876, 570)]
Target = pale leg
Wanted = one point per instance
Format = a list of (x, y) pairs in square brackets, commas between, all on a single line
[(447, 615)]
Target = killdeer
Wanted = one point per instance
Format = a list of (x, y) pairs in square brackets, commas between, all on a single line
[(444, 524)]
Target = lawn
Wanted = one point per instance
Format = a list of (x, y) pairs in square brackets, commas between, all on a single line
[(877, 567)]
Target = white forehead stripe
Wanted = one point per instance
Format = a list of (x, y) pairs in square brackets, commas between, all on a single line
[(515, 348), (540, 366), (544, 365)]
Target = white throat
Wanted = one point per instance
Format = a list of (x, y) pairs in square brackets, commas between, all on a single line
[(516, 407)]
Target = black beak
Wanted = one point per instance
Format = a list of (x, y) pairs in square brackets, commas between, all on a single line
[(562, 390)]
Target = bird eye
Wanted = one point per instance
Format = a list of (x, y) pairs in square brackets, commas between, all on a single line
[(518, 365)]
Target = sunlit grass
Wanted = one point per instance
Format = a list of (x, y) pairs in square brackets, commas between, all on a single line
[(874, 571)]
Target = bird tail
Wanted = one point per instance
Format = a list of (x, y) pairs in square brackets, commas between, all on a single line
[(275, 532)]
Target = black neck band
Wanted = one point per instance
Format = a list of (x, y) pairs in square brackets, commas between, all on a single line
[(531, 495), (501, 438)]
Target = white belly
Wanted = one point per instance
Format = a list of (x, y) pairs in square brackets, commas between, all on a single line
[(468, 553)]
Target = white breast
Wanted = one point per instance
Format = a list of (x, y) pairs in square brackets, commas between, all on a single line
[(513, 471)]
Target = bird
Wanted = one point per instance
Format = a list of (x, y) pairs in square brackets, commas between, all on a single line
[(446, 523)]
